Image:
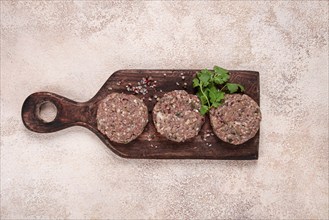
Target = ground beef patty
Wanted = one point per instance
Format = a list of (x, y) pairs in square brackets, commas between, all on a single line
[(237, 120), (121, 117), (176, 116)]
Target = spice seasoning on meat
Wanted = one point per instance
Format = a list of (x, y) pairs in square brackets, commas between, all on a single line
[(176, 116), (237, 120), (121, 117)]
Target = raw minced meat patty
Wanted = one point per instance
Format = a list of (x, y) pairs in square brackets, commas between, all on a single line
[(237, 120), (176, 116), (121, 117)]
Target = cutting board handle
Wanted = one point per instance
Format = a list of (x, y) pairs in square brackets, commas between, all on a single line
[(69, 113)]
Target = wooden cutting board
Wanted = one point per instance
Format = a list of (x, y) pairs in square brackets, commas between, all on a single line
[(149, 144)]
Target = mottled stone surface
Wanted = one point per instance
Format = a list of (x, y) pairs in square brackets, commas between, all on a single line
[(71, 48)]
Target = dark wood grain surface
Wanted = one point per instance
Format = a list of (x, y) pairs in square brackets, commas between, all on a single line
[(149, 144)]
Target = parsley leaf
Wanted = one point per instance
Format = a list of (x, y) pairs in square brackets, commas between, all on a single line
[(212, 93), (196, 82), (207, 82), (218, 69), (215, 95), (216, 104), (204, 109), (241, 88), (221, 78), (233, 87), (204, 77)]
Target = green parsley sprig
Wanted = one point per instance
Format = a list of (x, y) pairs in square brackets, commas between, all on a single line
[(211, 87)]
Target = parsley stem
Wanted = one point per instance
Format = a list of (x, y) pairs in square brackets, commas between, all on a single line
[(205, 96), (223, 87)]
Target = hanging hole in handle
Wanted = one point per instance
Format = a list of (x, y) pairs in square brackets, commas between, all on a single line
[(46, 111)]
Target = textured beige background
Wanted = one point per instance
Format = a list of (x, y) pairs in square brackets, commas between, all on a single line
[(71, 48)]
